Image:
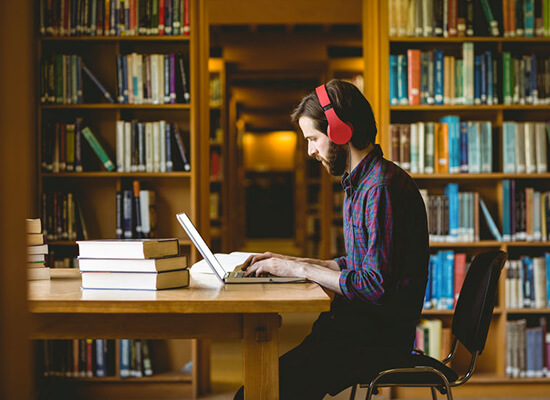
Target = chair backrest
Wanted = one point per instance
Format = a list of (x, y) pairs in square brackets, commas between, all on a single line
[(474, 308)]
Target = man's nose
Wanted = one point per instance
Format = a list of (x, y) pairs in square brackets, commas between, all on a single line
[(311, 150)]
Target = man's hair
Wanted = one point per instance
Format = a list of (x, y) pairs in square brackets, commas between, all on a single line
[(349, 104)]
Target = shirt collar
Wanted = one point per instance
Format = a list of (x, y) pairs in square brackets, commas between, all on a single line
[(361, 170)]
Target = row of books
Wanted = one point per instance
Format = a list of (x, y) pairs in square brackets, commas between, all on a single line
[(61, 80), (525, 147), (447, 146), (432, 338), (527, 282), (136, 215), (216, 164), (459, 18), (114, 17), (62, 216), (525, 213), (525, 79), (152, 79), (447, 271), (36, 251), (527, 349), (62, 149), (155, 146), (431, 77), (97, 358), (140, 264)]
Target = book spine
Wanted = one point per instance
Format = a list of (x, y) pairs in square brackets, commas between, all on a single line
[(413, 69), (168, 147), (137, 208), (106, 94), (100, 359), (119, 215), (181, 148), (439, 77), (124, 358), (127, 211), (98, 149)]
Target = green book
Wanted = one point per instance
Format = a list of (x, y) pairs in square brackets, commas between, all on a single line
[(176, 23), (58, 68), (507, 77), (493, 24), (98, 149), (459, 82), (155, 17)]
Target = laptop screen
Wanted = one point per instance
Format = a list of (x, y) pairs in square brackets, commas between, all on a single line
[(201, 245)]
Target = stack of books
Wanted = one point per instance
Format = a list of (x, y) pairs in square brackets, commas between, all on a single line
[(36, 251), (133, 264)]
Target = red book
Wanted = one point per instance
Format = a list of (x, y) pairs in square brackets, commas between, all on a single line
[(186, 26), (133, 17), (161, 17), (62, 147), (452, 22), (413, 57), (89, 358), (460, 273)]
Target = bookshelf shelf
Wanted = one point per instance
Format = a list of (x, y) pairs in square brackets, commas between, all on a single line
[(493, 175), (450, 107), (481, 243), (433, 312), (75, 175), (158, 38), (116, 106), (520, 311), (469, 39)]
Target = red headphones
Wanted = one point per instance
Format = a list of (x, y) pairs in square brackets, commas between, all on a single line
[(338, 131)]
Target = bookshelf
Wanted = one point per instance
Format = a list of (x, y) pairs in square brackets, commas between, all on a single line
[(490, 378), (219, 181), (95, 188)]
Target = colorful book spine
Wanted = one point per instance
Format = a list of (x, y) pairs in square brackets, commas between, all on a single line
[(98, 149)]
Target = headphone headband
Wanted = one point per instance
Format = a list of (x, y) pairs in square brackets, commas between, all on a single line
[(338, 131)]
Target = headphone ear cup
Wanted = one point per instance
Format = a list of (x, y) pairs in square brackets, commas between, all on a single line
[(339, 132)]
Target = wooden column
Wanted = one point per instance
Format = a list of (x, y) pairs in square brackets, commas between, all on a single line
[(17, 160)]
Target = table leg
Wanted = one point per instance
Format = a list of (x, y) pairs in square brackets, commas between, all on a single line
[(261, 356)]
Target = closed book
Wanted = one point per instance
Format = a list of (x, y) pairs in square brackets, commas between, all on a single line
[(128, 248), (38, 249), (98, 149), (33, 225), (34, 239), (132, 265), (38, 273), (413, 65), (135, 280), (33, 258), (490, 221)]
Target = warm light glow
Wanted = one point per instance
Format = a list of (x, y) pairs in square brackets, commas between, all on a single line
[(273, 151)]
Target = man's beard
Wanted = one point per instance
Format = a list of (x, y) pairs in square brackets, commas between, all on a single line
[(335, 163)]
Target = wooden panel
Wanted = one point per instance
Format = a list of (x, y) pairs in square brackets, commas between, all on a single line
[(260, 354), (17, 160), (284, 12)]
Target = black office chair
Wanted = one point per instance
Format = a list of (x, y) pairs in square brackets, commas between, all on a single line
[(471, 321)]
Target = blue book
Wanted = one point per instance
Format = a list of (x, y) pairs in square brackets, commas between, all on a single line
[(402, 80), (509, 147), (438, 76), (489, 77), (463, 147), (124, 358), (440, 281), (533, 91), (453, 123), (451, 191), (474, 147), (127, 214), (435, 280), (448, 283), (477, 80), (120, 78), (125, 79), (168, 146), (506, 220), (483, 78), (394, 99), (100, 353), (486, 146), (490, 221), (529, 18), (166, 78), (529, 288), (547, 259), (428, 294)]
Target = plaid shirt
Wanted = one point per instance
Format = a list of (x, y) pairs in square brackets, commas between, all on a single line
[(384, 223)]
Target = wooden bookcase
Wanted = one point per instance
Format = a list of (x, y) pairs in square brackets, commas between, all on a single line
[(219, 182), (490, 378), (96, 188)]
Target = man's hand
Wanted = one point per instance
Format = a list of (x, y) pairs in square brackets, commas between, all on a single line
[(273, 264)]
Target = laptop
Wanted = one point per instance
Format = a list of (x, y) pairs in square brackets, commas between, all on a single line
[(235, 276)]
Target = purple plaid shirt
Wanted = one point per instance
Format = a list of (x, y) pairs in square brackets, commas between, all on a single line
[(384, 223)]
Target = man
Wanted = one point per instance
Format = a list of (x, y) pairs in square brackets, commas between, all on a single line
[(379, 285)]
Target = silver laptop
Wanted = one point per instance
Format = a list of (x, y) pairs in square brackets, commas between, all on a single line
[(235, 276)]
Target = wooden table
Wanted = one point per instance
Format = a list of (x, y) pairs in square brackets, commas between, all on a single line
[(60, 309)]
